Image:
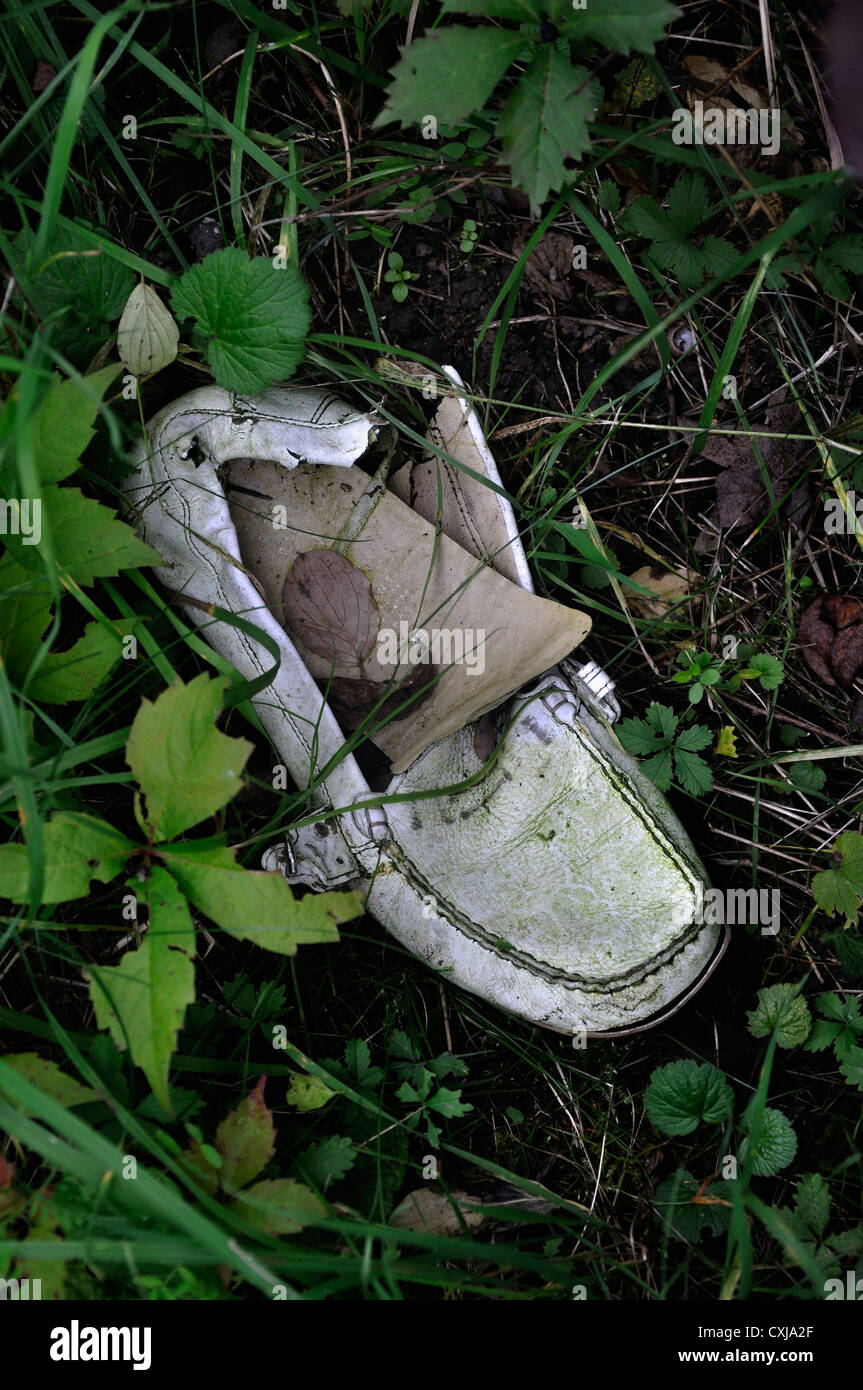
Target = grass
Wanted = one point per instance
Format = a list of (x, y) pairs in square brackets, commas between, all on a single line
[(272, 139)]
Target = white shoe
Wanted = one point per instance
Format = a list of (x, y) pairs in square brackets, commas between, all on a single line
[(558, 884)]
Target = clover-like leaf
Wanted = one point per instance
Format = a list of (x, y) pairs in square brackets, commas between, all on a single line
[(683, 1093)]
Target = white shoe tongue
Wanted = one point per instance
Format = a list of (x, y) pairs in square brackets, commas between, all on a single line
[(353, 604)]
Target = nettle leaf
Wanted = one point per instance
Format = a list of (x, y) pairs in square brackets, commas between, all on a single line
[(623, 25), (186, 768), (78, 849), (782, 1008), (143, 1000), (50, 1079), (773, 1145), (246, 1140), (327, 1162), (256, 906), (683, 1218), (147, 335), (74, 674), (255, 317), (681, 1094), (450, 72), (544, 122), (688, 204), (63, 424), (280, 1207), (89, 541), (841, 888), (79, 287), (812, 1203), (330, 609)]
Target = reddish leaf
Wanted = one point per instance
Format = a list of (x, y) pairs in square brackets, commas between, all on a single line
[(246, 1140), (330, 609), (830, 634), (351, 700)]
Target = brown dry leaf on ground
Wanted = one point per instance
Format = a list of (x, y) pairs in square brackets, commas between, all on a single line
[(549, 265), (741, 493), (432, 1212), (668, 586), (830, 634)]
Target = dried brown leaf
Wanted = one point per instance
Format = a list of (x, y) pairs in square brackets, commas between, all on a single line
[(330, 609)]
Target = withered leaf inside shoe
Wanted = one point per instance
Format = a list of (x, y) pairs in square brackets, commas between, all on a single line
[(330, 608), (351, 700), (830, 634)]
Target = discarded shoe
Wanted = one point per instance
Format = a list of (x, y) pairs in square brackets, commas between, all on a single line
[(551, 878)]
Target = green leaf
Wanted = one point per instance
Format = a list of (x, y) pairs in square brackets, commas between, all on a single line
[(81, 289), (683, 1093), (851, 1065), (622, 25), (774, 1145), (521, 11), (78, 848), (25, 612), (327, 1162), (308, 1093), (697, 736), (144, 998), (255, 317), (186, 768), (544, 122), (76, 673), (782, 1008), (147, 335), (688, 204), (812, 1203), (849, 950), (62, 426), (841, 888), (683, 1218), (771, 672), (246, 1140), (448, 73), (693, 772), (280, 1207), (89, 541), (50, 1079), (808, 777), (659, 769), (637, 736), (256, 906), (448, 1103)]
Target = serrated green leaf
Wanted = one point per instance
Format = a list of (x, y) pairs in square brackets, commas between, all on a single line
[(849, 950), (281, 1206), (544, 122), (851, 1065), (50, 1079), (254, 316), (637, 736), (625, 26), (79, 288), (186, 768), (659, 770), (74, 674), (688, 204), (696, 737), (841, 887), (681, 1094), (448, 1103), (327, 1162), (773, 1146), (782, 1008), (147, 335), (806, 776), (25, 613), (771, 672), (89, 541), (144, 998), (812, 1203), (246, 1140), (683, 1218), (693, 772), (63, 424), (256, 906), (78, 849), (449, 74)]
